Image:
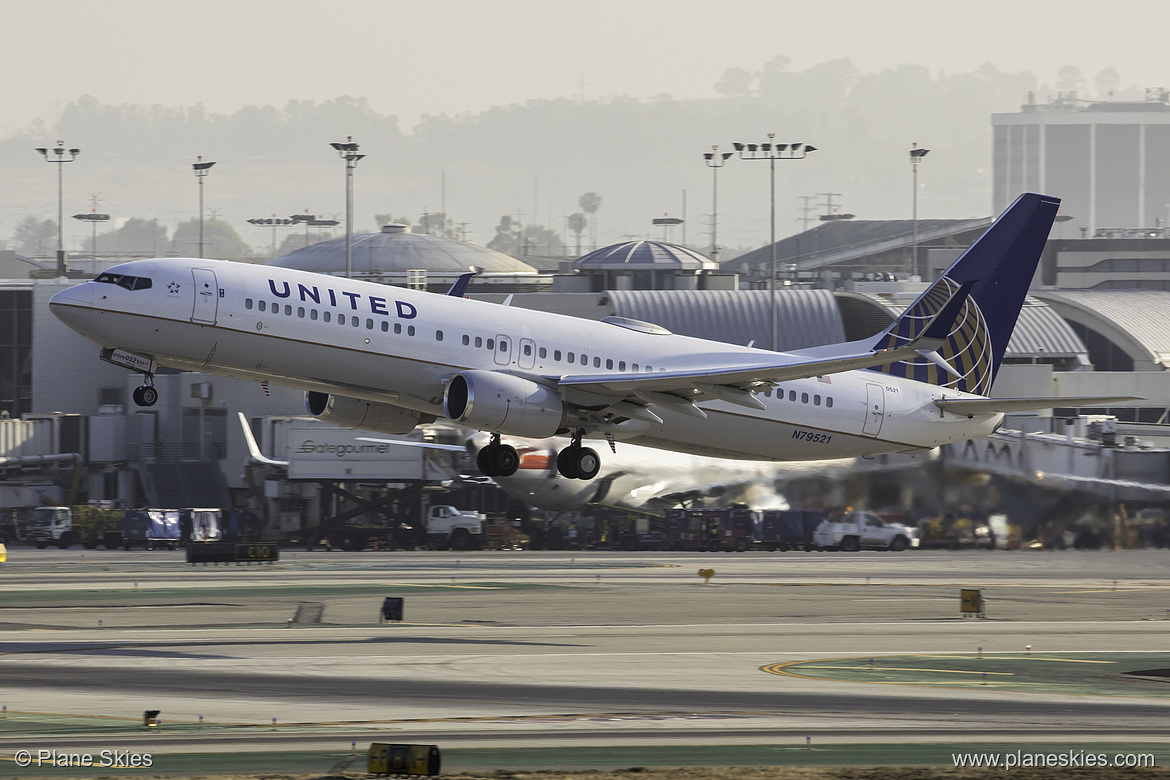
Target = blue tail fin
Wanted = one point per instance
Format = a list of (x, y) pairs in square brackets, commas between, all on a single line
[(998, 268)]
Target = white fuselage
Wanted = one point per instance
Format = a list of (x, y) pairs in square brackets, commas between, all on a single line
[(399, 346)]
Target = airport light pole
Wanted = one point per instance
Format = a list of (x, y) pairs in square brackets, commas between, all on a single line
[(715, 161), (916, 156), (201, 170), (348, 152), (772, 152), (59, 158)]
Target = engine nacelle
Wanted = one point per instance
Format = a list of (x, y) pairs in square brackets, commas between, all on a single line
[(366, 415), (502, 403)]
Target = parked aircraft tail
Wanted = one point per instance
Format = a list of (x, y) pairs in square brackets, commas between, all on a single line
[(997, 269)]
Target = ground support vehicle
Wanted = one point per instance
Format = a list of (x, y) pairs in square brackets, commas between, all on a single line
[(448, 527), (710, 528), (64, 526), (151, 528), (789, 529), (863, 530)]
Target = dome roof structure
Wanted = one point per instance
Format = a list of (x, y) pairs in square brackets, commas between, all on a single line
[(643, 255), (395, 251)]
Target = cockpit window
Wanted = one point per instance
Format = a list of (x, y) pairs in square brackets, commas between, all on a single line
[(125, 280)]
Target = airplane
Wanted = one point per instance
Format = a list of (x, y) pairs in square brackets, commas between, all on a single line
[(387, 359), (641, 478)]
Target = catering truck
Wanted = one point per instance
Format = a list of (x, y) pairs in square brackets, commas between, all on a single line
[(64, 526)]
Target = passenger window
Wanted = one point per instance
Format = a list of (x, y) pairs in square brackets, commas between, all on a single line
[(438, 335), (816, 400), (649, 368), (584, 360), (301, 312), (326, 316), (570, 357), (543, 353), (288, 310), (829, 401), (466, 339), (804, 398), (596, 362), (357, 321), (340, 319), (312, 314), (478, 342), (609, 364), (369, 324), (385, 326), (527, 350), (791, 395), (557, 355), (275, 307), (398, 327), (621, 365), (503, 345), (767, 393), (410, 330), (491, 344), (247, 303), (263, 306), (634, 368)]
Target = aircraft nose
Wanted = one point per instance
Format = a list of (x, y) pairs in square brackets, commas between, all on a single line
[(78, 295)]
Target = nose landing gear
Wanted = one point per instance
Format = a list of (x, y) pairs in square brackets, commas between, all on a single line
[(146, 395)]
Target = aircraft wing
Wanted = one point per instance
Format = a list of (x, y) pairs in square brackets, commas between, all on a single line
[(732, 383), (424, 444), (972, 406)]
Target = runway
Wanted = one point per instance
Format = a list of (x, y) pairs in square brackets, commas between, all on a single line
[(570, 649)]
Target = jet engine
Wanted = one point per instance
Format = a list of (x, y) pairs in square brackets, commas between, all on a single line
[(502, 403), (366, 415)]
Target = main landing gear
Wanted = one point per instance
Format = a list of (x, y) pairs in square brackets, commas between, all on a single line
[(146, 395), (577, 462), (497, 460)]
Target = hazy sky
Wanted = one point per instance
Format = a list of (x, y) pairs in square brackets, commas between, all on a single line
[(431, 56)]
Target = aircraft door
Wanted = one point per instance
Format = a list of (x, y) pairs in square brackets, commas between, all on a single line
[(526, 357), (503, 353), (875, 409), (206, 296)]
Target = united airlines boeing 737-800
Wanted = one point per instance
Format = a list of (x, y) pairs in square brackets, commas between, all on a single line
[(386, 359)]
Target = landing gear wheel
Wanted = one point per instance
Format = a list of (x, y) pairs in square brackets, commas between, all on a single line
[(586, 462), (565, 463), (484, 462), (146, 395), (502, 459)]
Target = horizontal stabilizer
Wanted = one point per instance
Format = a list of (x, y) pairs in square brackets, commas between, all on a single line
[(971, 406)]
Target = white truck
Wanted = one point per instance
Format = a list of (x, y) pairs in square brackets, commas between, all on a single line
[(448, 527), (855, 531)]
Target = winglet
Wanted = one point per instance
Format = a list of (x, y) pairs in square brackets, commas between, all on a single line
[(460, 287), (254, 448)]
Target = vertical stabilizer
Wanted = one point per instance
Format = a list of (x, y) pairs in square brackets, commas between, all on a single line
[(998, 269)]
